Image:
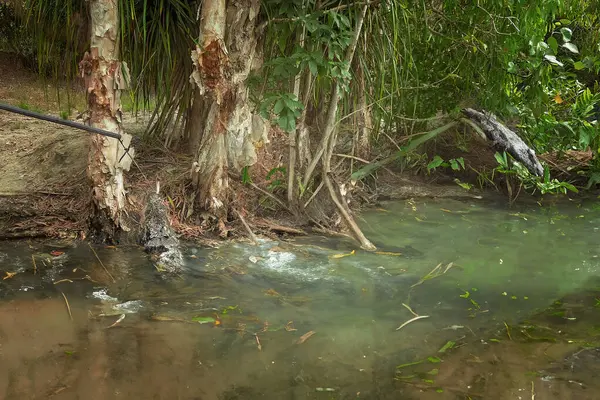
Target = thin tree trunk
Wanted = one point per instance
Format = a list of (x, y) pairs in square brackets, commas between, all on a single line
[(293, 151), (365, 122), (222, 63), (107, 160), (330, 140)]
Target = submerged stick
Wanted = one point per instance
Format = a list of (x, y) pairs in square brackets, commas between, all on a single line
[(101, 263), (34, 265), (117, 322), (411, 320), (68, 306)]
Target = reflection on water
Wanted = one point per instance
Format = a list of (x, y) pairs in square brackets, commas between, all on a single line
[(507, 300)]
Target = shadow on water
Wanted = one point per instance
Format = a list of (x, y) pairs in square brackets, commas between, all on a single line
[(508, 302)]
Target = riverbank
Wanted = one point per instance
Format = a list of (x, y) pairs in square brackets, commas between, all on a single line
[(44, 190)]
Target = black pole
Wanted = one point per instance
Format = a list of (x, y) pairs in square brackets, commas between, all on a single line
[(59, 121)]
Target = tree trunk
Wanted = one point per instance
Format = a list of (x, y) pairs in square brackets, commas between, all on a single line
[(107, 160), (222, 64), (365, 122)]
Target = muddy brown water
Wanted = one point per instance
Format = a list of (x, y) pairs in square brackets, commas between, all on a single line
[(512, 313)]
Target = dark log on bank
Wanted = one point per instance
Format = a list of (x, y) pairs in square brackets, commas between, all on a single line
[(158, 238), (505, 140)]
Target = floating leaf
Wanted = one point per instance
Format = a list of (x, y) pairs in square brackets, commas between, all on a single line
[(56, 253), (343, 255), (450, 344), (204, 320), (305, 337), (388, 253), (9, 275), (434, 360), (433, 372)]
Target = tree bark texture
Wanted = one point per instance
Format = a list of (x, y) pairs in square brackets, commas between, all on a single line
[(222, 63), (107, 160)]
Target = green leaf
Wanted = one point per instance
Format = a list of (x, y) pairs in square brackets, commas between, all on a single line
[(433, 372), (312, 66), (279, 105), (553, 44), (282, 121), (204, 320), (553, 60), (579, 65), (571, 47), (566, 34), (450, 344), (434, 360), (436, 162), (370, 168)]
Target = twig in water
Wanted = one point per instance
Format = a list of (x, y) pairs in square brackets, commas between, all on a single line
[(100, 261), (258, 342), (62, 281), (68, 306), (410, 309), (117, 322), (507, 330), (532, 391), (305, 337), (34, 265), (250, 233), (411, 320)]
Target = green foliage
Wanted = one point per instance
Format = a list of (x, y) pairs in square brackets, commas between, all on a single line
[(510, 167), (455, 163), (285, 106), (276, 178)]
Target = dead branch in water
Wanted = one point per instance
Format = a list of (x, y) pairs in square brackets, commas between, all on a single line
[(68, 306), (101, 263), (411, 320)]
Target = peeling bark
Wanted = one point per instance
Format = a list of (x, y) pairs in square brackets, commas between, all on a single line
[(107, 160), (222, 64), (365, 122)]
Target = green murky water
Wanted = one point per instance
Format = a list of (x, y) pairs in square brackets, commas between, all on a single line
[(511, 297)]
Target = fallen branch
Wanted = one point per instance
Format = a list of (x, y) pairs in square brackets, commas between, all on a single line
[(34, 264), (102, 264), (279, 228), (250, 233), (117, 322), (412, 320), (270, 195)]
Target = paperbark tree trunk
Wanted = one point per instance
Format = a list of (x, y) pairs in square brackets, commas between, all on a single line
[(107, 160), (222, 63)]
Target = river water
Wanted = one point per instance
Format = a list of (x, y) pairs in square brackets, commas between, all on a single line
[(493, 303)]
